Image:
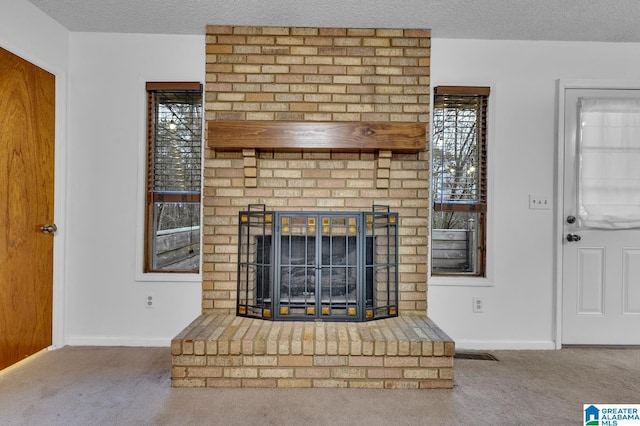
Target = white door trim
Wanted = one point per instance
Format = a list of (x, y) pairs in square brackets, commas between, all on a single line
[(60, 178), (563, 85)]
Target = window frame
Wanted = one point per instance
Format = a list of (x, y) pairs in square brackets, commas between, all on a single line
[(484, 275), (151, 197)]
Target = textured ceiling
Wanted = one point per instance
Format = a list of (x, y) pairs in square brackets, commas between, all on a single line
[(579, 20)]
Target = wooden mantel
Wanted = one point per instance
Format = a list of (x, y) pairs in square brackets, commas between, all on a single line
[(340, 136)]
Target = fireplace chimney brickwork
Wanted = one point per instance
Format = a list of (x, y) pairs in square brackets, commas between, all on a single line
[(315, 75)]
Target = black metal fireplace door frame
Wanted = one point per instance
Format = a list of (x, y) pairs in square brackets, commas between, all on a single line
[(327, 265)]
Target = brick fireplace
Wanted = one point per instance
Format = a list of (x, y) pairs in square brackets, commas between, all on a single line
[(314, 119)]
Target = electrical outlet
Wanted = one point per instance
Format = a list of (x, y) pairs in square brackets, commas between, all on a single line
[(149, 301), (539, 202), (478, 305)]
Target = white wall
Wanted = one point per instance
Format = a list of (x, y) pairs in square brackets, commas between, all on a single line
[(105, 295), (27, 32), (519, 296), (98, 155)]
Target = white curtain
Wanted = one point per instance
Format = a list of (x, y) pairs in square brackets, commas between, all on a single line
[(609, 163)]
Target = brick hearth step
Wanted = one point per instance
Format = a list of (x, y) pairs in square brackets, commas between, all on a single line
[(408, 351)]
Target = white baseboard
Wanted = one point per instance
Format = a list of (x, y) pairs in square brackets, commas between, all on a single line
[(132, 341), (505, 345)]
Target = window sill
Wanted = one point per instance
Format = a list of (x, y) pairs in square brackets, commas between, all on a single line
[(169, 277), (460, 281)]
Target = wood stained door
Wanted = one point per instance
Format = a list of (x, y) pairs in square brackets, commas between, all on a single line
[(27, 105)]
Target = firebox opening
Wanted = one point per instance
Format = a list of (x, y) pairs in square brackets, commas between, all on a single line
[(338, 266)]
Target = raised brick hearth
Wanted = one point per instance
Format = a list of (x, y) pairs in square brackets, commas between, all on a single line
[(408, 352)]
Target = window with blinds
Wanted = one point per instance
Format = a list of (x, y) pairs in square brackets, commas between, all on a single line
[(459, 180), (174, 146)]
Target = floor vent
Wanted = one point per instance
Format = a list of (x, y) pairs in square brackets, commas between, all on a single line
[(482, 356)]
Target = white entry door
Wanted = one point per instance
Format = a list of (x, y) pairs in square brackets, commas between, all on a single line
[(600, 267)]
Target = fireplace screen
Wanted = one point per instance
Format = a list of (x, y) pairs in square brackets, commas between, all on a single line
[(318, 265)]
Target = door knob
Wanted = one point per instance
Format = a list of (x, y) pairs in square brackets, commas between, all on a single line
[(572, 238), (48, 229)]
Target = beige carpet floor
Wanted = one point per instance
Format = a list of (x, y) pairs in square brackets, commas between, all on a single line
[(131, 386)]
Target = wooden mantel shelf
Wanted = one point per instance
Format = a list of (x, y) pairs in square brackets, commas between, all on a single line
[(342, 136)]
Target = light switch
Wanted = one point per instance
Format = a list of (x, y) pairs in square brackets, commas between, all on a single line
[(539, 202)]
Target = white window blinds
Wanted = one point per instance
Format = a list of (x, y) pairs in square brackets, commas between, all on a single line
[(609, 163)]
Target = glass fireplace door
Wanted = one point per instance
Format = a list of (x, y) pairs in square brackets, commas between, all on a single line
[(317, 266)]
